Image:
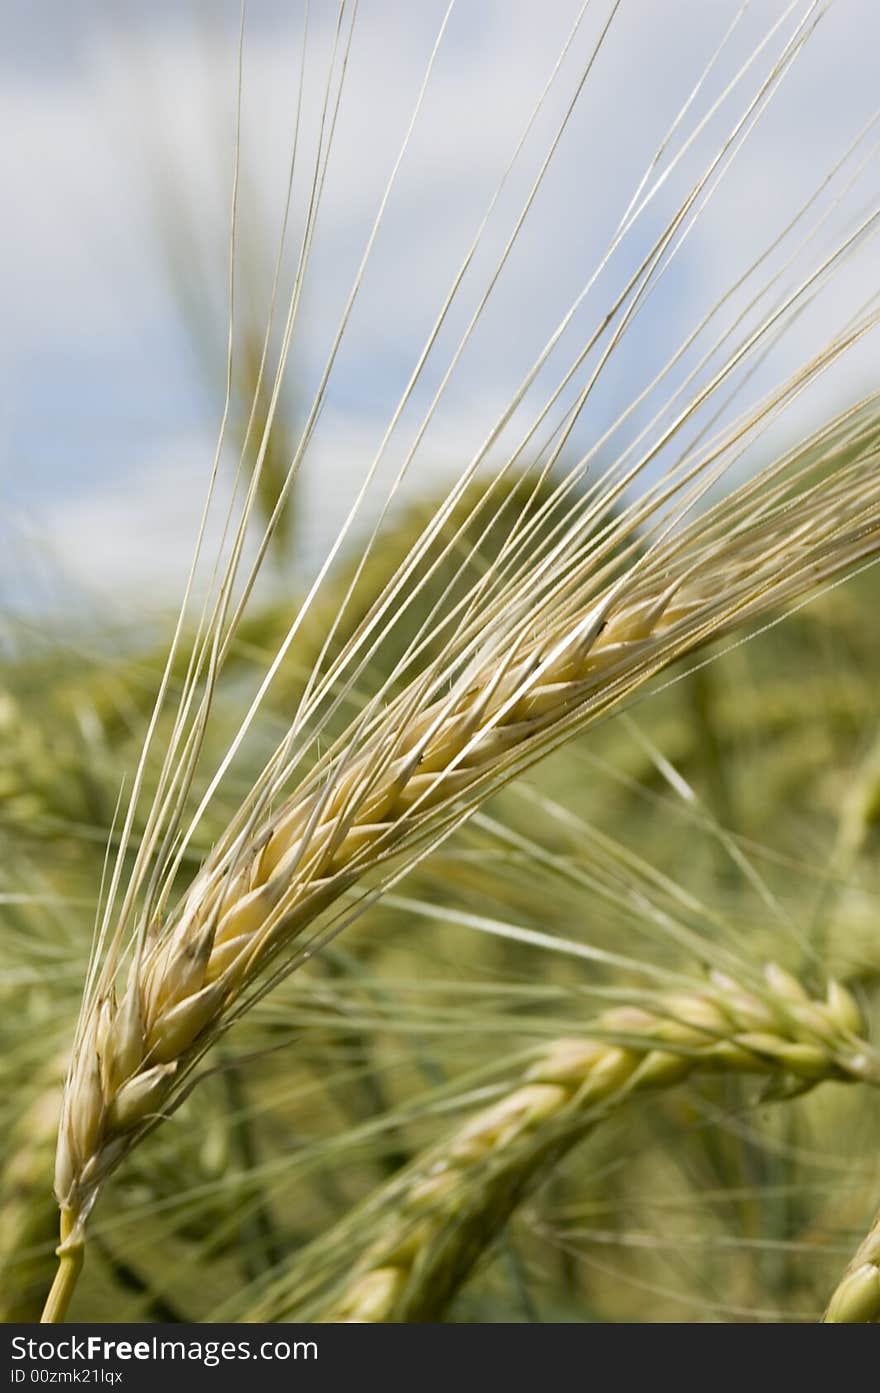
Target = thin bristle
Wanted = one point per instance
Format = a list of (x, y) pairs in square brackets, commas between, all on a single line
[(394, 786), (617, 565)]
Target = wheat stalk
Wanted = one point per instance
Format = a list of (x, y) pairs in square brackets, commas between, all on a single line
[(408, 773), (586, 602), (437, 1218)]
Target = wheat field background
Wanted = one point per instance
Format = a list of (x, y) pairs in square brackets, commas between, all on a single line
[(482, 924)]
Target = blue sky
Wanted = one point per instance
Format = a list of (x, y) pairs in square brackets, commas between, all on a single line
[(118, 125)]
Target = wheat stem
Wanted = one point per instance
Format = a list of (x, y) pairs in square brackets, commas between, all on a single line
[(405, 774), (440, 1216), (70, 1260)]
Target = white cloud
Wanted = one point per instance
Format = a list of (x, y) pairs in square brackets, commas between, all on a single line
[(83, 280)]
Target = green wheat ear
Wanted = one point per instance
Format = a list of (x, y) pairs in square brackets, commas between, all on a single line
[(437, 1219), (857, 1298), (395, 783), (624, 570), (27, 1223)]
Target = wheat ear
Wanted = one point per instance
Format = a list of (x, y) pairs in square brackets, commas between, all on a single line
[(440, 1215), (27, 1221), (407, 773), (857, 1298)]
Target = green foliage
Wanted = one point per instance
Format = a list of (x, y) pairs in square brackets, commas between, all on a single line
[(729, 819)]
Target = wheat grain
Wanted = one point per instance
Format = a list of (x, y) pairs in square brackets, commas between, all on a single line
[(403, 778), (557, 634), (856, 1299), (437, 1219)]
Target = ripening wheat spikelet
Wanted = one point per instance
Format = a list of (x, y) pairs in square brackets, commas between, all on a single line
[(436, 1220), (857, 1298), (625, 570), (419, 764)]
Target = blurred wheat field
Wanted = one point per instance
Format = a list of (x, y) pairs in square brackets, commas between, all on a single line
[(720, 815)]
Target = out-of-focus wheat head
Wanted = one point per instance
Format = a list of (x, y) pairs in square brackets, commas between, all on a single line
[(436, 1220), (415, 766), (27, 1224)]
